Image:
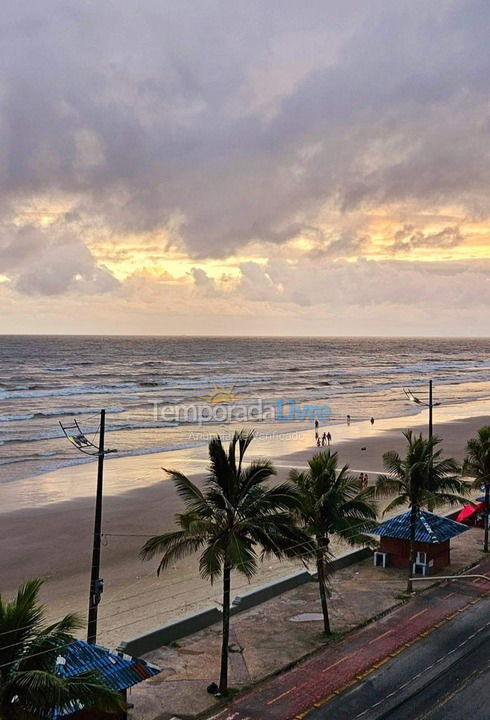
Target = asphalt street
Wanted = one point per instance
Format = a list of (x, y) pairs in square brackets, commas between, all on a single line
[(444, 676)]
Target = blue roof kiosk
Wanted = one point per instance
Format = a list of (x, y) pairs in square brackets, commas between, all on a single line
[(432, 537)]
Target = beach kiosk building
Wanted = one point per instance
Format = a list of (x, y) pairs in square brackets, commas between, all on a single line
[(432, 537)]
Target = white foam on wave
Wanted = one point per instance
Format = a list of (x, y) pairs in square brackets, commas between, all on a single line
[(77, 460), (56, 432), (68, 391), (58, 412), (16, 418)]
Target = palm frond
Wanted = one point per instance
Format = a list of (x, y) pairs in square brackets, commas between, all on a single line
[(39, 693), (173, 546), (187, 490), (244, 439), (20, 621), (220, 470), (212, 560), (241, 554), (399, 501), (256, 473)]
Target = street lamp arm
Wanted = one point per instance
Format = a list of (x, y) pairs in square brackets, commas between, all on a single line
[(413, 398)]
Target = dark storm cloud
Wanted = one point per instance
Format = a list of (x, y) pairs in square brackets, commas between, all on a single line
[(411, 238), (242, 119)]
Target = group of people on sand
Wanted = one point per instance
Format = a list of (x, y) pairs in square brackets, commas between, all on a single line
[(326, 438), (364, 480), (348, 420)]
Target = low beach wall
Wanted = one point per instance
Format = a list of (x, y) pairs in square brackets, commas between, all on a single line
[(266, 592), (171, 632), (203, 619), (351, 558)]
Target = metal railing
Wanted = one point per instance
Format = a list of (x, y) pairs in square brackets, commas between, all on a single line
[(435, 578)]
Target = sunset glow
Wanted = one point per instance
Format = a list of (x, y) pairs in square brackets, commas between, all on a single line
[(311, 178)]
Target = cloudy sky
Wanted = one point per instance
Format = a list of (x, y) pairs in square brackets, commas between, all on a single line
[(248, 167)]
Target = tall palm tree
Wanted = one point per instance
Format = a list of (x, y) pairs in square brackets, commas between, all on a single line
[(29, 685), (331, 502), (477, 465), (235, 519), (421, 479)]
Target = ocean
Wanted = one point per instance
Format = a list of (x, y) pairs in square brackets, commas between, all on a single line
[(148, 384)]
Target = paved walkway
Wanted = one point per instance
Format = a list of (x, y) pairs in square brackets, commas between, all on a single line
[(293, 694)]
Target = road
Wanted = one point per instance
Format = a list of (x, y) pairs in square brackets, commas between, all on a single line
[(320, 680), (444, 676)]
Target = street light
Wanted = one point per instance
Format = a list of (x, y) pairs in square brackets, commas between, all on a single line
[(431, 404), (80, 441)]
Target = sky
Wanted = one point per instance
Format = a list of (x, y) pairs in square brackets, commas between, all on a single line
[(245, 168)]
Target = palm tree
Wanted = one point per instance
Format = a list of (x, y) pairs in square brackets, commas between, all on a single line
[(234, 515), (477, 465), (331, 502), (29, 685), (421, 479)]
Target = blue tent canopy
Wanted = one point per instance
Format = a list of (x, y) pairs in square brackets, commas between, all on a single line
[(430, 528)]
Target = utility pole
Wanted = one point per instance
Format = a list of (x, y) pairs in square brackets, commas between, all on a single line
[(77, 438), (96, 583), (431, 405)]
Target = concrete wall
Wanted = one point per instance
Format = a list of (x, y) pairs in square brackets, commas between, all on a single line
[(350, 558), (266, 592), (173, 631), (198, 621)]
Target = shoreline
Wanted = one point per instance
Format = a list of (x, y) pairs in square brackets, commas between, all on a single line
[(76, 481)]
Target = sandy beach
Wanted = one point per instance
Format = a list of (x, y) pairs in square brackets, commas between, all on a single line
[(46, 522)]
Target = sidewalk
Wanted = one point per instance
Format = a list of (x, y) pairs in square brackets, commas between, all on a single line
[(274, 635), (311, 684)]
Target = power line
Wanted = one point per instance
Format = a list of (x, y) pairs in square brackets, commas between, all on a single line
[(60, 647), (185, 579)]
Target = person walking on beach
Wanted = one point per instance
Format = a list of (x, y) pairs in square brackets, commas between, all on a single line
[(324, 438), (372, 421), (329, 437), (316, 426), (348, 419), (365, 482), (317, 441)]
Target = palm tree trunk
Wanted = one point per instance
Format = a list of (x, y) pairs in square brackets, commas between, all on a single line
[(320, 567), (412, 555), (485, 519), (223, 678)]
